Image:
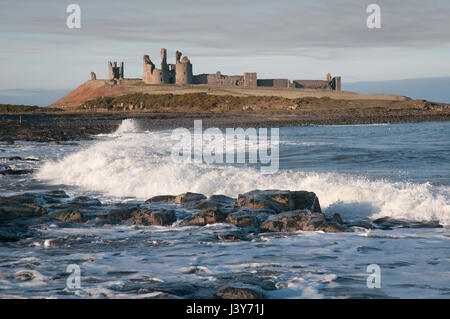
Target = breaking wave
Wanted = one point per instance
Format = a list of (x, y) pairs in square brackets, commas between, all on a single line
[(133, 163)]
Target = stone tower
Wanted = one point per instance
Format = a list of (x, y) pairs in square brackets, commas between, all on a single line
[(151, 74), (164, 66), (183, 70), (114, 71), (336, 83)]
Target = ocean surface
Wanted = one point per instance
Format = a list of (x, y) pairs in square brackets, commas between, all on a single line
[(362, 172)]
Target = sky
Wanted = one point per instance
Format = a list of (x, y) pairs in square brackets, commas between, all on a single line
[(277, 39)]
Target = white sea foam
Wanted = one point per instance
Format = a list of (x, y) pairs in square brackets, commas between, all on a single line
[(127, 126), (138, 164)]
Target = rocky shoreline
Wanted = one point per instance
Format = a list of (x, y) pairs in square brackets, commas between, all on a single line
[(62, 127), (254, 212), (24, 217)]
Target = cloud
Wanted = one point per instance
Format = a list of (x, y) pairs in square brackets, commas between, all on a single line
[(251, 27), (284, 38)]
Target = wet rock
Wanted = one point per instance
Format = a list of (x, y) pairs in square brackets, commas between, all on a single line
[(161, 199), (279, 200), (240, 293), (86, 201), (214, 202), (80, 202), (245, 219), (222, 199), (7, 236), (68, 216), (188, 198), (140, 216), (54, 197), (152, 218), (207, 204), (387, 223), (57, 194), (20, 206), (10, 171), (24, 275), (301, 220), (234, 236), (205, 218), (118, 215)]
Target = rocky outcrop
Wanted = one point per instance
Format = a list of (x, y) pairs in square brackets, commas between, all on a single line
[(152, 218), (189, 198), (68, 216), (20, 206), (252, 212), (302, 220), (240, 293), (161, 199), (140, 216), (204, 218), (279, 201)]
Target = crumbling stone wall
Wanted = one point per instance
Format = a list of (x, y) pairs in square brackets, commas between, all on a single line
[(250, 80), (114, 71), (181, 73), (152, 75), (311, 84), (336, 83)]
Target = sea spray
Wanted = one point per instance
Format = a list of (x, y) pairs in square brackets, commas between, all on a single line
[(133, 163)]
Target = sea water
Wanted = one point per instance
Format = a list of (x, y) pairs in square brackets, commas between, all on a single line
[(401, 171)]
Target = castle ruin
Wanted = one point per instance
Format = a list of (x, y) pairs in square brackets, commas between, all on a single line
[(181, 73), (114, 71)]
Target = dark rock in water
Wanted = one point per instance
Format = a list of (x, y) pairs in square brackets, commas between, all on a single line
[(24, 275), (256, 199), (207, 204), (188, 198), (389, 223), (10, 171), (118, 215), (152, 218), (304, 200), (214, 202), (79, 203), (10, 159), (245, 219), (240, 293), (140, 216), (338, 218), (279, 200), (161, 199), (234, 236), (301, 220), (7, 236), (20, 206), (205, 218), (86, 201), (222, 199), (68, 216), (57, 194)]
